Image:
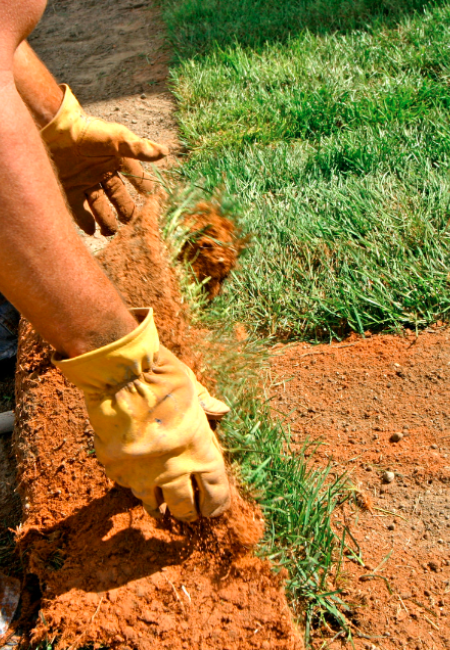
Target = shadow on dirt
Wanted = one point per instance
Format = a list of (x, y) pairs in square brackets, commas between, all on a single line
[(113, 558)]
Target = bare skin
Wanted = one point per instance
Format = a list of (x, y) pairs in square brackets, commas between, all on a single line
[(46, 271), (36, 85)]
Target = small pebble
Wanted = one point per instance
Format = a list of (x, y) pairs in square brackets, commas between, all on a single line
[(133, 121), (388, 477), (396, 437), (434, 446), (368, 468), (143, 96), (391, 527), (117, 108)]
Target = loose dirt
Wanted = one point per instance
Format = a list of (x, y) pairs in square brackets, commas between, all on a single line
[(353, 396), (213, 246)]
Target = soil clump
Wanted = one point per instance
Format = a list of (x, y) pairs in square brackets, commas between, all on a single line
[(380, 406), (212, 247)]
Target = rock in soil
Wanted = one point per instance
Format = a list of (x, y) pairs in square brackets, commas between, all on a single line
[(388, 477)]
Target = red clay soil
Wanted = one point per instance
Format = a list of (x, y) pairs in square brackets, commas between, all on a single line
[(109, 573), (213, 245), (382, 405)]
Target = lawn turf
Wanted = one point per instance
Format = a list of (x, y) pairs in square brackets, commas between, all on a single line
[(333, 143)]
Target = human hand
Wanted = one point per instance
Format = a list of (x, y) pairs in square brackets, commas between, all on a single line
[(88, 154), (151, 432)]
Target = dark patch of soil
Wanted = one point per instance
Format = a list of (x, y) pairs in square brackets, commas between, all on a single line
[(7, 371), (213, 245), (354, 397), (109, 573)]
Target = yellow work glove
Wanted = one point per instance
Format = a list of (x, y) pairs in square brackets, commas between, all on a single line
[(88, 154), (151, 433), (213, 407)]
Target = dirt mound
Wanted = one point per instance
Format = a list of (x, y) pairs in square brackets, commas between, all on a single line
[(213, 245), (109, 573), (381, 405)]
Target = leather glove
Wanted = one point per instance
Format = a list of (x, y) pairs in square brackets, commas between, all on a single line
[(151, 433), (214, 408), (88, 154)]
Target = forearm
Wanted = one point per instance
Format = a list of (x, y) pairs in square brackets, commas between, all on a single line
[(46, 271), (36, 85)]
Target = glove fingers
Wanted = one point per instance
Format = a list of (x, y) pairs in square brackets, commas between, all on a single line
[(134, 172), (214, 408), (81, 211), (214, 492), (101, 210), (152, 501), (180, 499), (118, 195), (130, 145)]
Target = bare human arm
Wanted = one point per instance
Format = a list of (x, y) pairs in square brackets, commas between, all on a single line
[(36, 85), (151, 432), (45, 270)]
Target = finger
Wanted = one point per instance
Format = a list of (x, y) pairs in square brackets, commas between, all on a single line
[(101, 210), (81, 211), (117, 193), (152, 501), (130, 145), (180, 499), (214, 493), (134, 172), (214, 408)]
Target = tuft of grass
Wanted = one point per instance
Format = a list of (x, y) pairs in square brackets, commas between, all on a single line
[(335, 147)]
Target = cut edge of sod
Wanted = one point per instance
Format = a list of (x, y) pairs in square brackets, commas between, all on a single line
[(297, 500)]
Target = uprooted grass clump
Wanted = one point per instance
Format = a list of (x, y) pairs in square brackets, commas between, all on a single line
[(335, 144)]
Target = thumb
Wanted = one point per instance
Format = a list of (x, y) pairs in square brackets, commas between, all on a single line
[(129, 145)]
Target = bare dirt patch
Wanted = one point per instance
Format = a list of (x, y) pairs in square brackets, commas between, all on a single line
[(382, 405)]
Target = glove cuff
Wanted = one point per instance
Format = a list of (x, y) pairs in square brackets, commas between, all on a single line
[(59, 132), (117, 363)]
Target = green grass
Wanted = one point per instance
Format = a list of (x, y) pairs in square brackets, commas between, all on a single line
[(334, 147)]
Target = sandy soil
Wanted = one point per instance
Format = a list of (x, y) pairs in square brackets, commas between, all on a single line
[(382, 405)]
